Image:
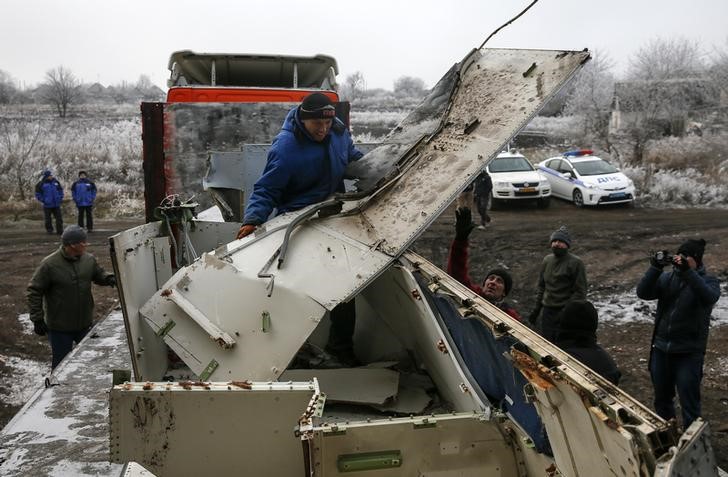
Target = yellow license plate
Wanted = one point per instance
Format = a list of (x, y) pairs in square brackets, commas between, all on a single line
[(527, 189)]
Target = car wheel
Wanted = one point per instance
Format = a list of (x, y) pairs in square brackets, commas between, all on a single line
[(578, 198), (543, 203)]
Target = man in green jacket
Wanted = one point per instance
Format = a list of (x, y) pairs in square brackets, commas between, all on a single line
[(562, 280), (59, 294)]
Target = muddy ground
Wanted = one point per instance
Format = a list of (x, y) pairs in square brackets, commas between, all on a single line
[(613, 243)]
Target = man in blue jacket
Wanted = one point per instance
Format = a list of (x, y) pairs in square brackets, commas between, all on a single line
[(306, 164), (685, 298), (84, 194), (49, 192)]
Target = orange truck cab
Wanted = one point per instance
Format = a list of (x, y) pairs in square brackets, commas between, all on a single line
[(219, 102)]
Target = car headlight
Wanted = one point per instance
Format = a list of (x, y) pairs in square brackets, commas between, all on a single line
[(501, 184)]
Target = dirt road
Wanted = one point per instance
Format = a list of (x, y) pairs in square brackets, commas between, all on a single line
[(613, 243)]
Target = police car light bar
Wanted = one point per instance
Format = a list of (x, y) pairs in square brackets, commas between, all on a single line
[(578, 152)]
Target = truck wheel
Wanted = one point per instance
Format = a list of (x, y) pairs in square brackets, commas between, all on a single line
[(578, 198)]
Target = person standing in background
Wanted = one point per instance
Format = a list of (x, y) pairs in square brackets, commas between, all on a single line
[(84, 194), (49, 192)]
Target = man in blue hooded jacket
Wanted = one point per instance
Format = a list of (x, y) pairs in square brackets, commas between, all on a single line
[(685, 298), (84, 194), (306, 164), (49, 192)]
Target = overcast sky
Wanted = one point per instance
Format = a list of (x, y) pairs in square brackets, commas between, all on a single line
[(114, 41)]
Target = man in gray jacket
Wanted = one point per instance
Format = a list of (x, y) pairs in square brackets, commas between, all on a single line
[(59, 294), (562, 279)]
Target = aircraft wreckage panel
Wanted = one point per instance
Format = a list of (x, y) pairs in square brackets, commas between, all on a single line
[(226, 322), (498, 93)]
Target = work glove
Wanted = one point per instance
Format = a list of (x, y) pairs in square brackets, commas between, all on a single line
[(40, 327), (246, 230), (463, 223), (111, 281), (533, 316), (657, 259)]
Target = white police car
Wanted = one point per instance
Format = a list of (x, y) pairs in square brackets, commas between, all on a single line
[(514, 178), (587, 180)]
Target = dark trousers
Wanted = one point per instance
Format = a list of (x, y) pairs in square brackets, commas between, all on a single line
[(51, 212), (550, 322), (62, 343), (481, 202), (85, 210), (681, 371)]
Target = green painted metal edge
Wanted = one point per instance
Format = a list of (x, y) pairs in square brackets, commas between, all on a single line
[(388, 459), (209, 369), (165, 329)]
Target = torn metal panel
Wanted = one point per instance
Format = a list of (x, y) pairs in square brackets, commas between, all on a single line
[(63, 429), (409, 400), (141, 260), (154, 424), (221, 331), (491, 102), (350, 385), (462, 444)]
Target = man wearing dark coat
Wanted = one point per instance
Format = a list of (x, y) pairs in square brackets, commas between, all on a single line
[(59, 294), (578, 337), (685, 297)]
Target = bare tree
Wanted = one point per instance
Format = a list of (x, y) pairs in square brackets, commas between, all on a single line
[(354, 86), (666, 80), (590, 97), (409, 86), (718, 70), (60, 89), (7, 88), (18, 138)]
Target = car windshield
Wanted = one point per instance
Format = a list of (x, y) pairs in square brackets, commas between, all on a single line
[(510, 164), (593, 168)]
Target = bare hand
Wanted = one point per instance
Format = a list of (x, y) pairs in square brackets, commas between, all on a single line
[(246, 230)]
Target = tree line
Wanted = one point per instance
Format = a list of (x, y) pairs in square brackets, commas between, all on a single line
[(61, 88)]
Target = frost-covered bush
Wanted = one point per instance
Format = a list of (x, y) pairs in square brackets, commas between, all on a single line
[(680, 188)]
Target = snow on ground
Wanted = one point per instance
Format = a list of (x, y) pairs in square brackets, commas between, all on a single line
[(24, 319), (28, 376), (627, 308)]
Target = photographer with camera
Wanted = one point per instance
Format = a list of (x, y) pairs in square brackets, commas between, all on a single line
[(685, 298)]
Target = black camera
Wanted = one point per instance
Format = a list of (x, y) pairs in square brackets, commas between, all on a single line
[(663, 258)]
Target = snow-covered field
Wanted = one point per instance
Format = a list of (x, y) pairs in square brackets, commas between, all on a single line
[(627, 308)]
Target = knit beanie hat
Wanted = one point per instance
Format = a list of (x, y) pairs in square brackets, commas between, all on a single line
[(47, 173), (563, 235), (693, 248), (507, 280), (316, 106), (73, 235), (579, 321)]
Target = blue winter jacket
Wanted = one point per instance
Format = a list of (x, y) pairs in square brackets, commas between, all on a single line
[(300, 171), (685, 300), (49, 192), (84, 192)]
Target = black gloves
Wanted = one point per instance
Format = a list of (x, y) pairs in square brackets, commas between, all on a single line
[(111, 281), (40, 328), (463, 223), (660, 259), (533, 317)]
